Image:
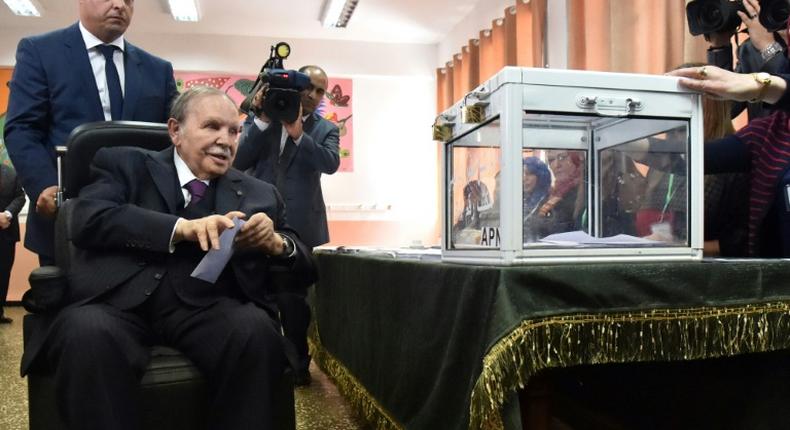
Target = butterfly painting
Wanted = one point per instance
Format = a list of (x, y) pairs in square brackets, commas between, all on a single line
[(340, 123), (337, 98), (337, 108)]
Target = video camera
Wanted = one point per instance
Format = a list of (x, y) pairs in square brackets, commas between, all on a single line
[(283, 97), (713, 16)]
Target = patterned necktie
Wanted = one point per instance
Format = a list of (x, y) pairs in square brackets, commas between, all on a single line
[(197, 189), (113, 81)]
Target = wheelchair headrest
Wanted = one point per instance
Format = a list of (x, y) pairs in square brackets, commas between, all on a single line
[(86, 139)]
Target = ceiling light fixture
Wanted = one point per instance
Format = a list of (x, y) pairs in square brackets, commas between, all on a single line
[(336, 13), (184, 10), (24, 7)]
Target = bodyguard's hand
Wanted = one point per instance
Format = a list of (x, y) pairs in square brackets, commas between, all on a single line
[(258, 233), (46, 204), (296, 128), (205, 230), (5, 221)]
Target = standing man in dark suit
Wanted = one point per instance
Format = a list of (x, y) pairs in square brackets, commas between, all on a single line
[(142, 225), (12, 198), (63, 79), (293, 157)]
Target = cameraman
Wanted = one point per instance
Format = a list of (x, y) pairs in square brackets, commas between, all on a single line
[(764, 51), (293, 157)]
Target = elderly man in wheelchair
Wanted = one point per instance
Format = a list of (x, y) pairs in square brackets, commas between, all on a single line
[(134, 236)]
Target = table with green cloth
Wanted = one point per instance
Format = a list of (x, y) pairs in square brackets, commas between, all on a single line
[(429, 345)]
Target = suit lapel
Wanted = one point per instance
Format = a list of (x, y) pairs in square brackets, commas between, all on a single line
[(132, 78), (81, 64), (229, 193), (163, 172), (309, 123)]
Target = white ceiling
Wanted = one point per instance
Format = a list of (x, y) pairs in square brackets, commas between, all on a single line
[(395, 21)]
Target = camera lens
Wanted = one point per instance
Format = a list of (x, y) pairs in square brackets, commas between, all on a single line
[(774, 14), (710, 15)]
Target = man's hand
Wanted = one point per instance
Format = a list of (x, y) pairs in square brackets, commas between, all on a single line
[(296, 128), (258, 233), (46, 204), (205, 230), (5, 221), (758, 34), (257, 103)]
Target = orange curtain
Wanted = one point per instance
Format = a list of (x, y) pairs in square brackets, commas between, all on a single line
[(637, 36), (516, 39), (442, 84)]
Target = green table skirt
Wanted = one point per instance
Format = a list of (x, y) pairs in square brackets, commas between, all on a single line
[(428, 345)]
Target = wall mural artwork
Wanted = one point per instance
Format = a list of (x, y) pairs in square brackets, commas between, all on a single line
[(336, 106), (236, 86)]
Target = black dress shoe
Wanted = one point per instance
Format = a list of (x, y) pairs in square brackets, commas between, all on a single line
[(302, 378), (6, 320)]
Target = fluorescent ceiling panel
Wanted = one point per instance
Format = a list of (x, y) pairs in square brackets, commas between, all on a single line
[(24, 7), (336, 13), (184, 10)]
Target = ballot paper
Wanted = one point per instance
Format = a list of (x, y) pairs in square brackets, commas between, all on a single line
[(574, 238), (215, 260)]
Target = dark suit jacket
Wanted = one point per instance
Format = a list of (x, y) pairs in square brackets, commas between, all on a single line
[(317, 153), (122, 223), (12, 199), (53, 91)]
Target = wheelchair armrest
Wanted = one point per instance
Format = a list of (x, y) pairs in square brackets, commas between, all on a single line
[(47, 290)]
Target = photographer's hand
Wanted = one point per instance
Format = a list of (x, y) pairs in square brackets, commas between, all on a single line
[(758, 34), (257, 103), (296, 128)]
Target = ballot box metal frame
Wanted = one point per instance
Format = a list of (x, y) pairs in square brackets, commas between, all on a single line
[(513, 94)]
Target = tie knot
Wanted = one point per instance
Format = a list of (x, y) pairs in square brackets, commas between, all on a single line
[(197, 189), (107, 51)]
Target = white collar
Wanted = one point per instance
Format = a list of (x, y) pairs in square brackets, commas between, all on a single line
[(92, 41), (185, 175)]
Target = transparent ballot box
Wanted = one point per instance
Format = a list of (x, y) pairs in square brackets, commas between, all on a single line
[(560, 166)]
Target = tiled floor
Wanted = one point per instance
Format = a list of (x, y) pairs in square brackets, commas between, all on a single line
[(318, 406)]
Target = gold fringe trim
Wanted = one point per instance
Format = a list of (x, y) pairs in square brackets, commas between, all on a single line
[(656, 335), (363, 403)]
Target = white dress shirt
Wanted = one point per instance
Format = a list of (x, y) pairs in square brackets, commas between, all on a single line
[(185, 176), (97, 64)]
